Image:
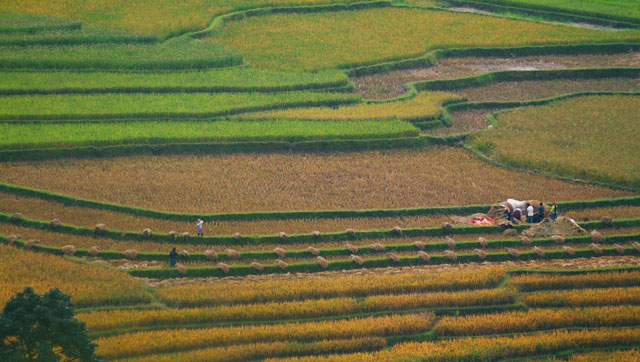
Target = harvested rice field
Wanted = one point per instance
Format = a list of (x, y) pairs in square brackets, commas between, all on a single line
[(263, 182)]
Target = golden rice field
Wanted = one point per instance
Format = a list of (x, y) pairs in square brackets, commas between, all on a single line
[(424, 106), (533, 282), (590, 137), (260, 182), (296, 41), (87, 285), (583, 297), (152, 17)]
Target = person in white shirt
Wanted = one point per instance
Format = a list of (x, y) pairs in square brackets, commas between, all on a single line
[(529, 213), (199, 227)]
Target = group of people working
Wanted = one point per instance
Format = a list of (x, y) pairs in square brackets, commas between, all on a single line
[(518, 207)]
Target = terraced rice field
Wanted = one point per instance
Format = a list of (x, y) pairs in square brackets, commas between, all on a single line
[(265, 182)]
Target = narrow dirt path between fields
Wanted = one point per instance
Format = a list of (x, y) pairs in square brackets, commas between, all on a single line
[(392, 84)]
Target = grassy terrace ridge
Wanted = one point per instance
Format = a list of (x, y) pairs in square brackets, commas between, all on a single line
[(290, 41), (423, 106), (169, 105), (21, 22), (236, 79), (85, 35), (569, 140), (621, 10), (174, 54), (52, 135)]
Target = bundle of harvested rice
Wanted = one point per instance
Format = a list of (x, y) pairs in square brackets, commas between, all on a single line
[(281, 264), (558, 239), (322, 262), (397, 230), (538, 251), (352, 248), (513, 252), (393, 256), (313, 251), (12, 239), (356, 259), (451, 244), (483, 242), (351, 232), (54, 223), (596, 237), (211, 255), (94, 251), (607, 221), (377, 247), (525, 240), (69, 250), (185, 236), (146, 232), (224, 267), (30, 243), (130, 254), (280, 252), (480, 253), (419, 244), (447, 227), (172, 235), (257, 266), (510, 232), (232, 254), (181, 269), (619, 249), (569, 250), (596, 248), (15, 217), (450, 255), (184, 253), (100, 228), (316, 234), (282, 235), (237, 236), (636, 245), (424, 256)]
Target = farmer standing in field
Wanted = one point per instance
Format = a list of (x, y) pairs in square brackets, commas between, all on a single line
[(173, 255), (529, 213), (554, 211), (541, 212), (199, 227)]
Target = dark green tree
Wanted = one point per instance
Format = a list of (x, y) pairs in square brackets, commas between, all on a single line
[(42, 328)]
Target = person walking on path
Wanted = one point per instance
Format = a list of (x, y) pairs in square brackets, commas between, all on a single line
[(199, 227), (529, 213), (554, 211), (541, 212), (173, 255)]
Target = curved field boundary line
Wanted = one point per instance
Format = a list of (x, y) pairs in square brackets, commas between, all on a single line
[(331, 145), (432, 57), (523, 75), (551, 12), (219, 22), (507, 105), (310, 267), (265, 255), (79, 41), (35, 29), (69, 200)]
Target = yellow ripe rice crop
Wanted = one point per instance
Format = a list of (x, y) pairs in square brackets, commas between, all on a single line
[(590, 137), (153, 17), (236, 292), (339, 39), (487, 348), (533, 282), (583, 297), (537, 319), (632, 355), (87, 285), (103, 320), (250, 352), (424, 106), (435, 176), (136, 344)]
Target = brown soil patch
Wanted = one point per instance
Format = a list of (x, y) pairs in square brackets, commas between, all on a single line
[(563, 226), (392, 84), (464, 122)]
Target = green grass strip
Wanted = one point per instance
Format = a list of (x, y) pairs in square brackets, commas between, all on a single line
[(50, 135)]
